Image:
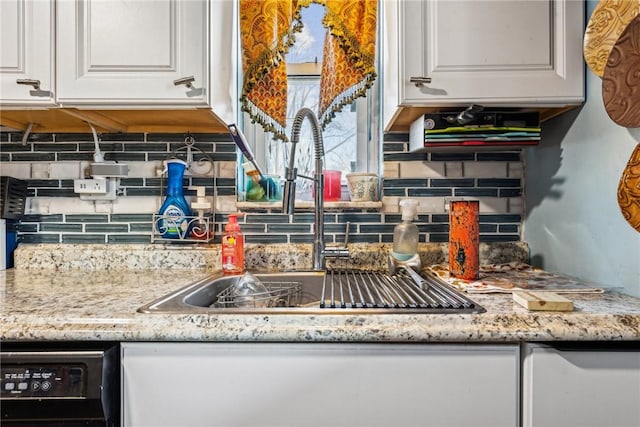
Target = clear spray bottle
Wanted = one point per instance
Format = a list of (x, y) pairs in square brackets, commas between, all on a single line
[(406, 234)]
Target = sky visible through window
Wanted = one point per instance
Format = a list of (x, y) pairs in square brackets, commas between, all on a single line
[(304, 91), (310, 40)]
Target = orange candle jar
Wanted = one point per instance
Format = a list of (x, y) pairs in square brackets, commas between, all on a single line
[(464, 239)]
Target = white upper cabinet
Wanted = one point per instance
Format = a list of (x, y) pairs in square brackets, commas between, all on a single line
[(26, 53), (122, 65), (132, 52), (525, 53)]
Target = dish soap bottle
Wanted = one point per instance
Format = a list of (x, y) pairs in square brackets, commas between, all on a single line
[(232, 247), (174, 212), (406, 234)]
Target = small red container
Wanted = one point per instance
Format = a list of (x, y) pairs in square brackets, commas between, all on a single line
[(464, 239), (332, 185)]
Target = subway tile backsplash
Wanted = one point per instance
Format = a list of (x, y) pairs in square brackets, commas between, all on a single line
[(55, 214)]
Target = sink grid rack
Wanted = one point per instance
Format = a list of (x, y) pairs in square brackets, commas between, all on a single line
[(278, 294), (346, 289)]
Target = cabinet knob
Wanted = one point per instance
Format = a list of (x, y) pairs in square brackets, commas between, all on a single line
[(29, 82), (187, 81), (420, 81)]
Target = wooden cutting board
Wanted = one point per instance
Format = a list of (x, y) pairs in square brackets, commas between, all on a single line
[(607, 22), (543, 301)]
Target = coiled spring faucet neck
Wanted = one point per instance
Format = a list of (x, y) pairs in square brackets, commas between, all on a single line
[(315, 129), (291, 173), (318, 144)]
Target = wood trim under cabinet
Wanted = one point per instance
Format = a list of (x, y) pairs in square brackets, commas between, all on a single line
[(72, 120)]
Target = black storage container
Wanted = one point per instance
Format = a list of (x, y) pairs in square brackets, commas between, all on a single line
[(13, 196)]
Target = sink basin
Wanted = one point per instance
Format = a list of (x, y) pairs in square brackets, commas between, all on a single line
[(317, 292)]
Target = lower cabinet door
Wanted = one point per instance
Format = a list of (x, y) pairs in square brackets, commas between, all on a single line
[(319, 384), (581, 387)]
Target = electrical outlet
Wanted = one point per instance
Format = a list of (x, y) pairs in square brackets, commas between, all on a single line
[(90, 186)]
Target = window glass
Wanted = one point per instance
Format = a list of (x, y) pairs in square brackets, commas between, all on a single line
[(350, 139)]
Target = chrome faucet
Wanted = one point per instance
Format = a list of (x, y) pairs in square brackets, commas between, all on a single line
[(320, 252)]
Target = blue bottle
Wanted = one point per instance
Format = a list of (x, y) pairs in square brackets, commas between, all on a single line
[(174, 212)]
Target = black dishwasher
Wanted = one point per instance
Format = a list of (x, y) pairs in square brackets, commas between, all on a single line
[(59, 384)]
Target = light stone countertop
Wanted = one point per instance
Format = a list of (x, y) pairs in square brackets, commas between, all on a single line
[(89, 305)]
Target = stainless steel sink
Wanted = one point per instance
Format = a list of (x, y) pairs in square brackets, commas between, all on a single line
[(330, 292)]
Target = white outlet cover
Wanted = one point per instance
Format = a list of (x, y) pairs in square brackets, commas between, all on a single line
[(90, 186)]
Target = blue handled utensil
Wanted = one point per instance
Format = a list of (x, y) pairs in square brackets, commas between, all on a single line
[(267, 183)]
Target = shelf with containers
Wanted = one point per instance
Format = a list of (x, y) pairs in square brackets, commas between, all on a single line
[(177, 220)]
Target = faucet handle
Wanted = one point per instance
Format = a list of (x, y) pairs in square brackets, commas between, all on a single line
[(346, 234), (339, 252), (336, 253)]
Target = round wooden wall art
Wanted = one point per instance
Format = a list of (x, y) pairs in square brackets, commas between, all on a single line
[(607, 22), (629, 190), (621, 79)]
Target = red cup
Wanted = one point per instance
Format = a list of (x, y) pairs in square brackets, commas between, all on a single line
[(332, 185)]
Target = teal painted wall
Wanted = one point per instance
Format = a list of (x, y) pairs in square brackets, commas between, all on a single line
[(573, 224)]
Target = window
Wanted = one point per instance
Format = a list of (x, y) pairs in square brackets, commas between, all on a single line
[(350, 140)]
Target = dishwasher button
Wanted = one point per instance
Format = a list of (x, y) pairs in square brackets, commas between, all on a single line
[(9, 386), (35, 386), (23, 386), (75, 376), (46, 386)]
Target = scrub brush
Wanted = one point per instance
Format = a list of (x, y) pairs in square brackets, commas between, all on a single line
[(268, 184)]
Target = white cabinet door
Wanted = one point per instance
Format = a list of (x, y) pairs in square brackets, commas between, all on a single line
[(311, 384), (130, 52), (580, 388), (492, 51), (26, 53)]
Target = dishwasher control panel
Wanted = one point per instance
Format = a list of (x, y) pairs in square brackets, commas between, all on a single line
[(42, 381)]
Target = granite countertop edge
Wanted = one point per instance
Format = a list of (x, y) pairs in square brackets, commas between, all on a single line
[(249, 329)]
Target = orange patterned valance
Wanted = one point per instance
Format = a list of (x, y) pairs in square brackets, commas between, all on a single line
[(268, 29), (348, 67)]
